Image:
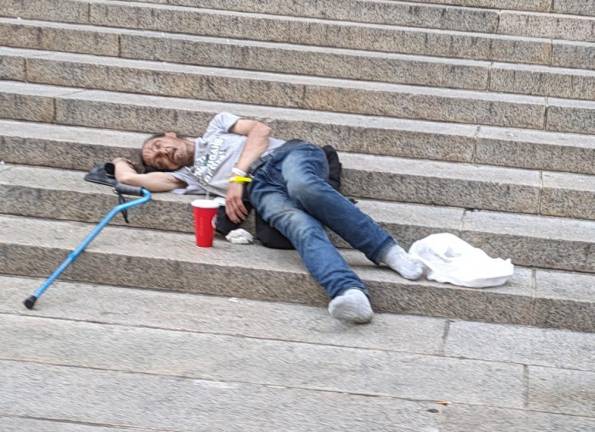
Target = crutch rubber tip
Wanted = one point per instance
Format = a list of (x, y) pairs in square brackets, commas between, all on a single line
[(30, 302)]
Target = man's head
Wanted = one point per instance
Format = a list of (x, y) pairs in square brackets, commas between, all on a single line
[(167, 152)]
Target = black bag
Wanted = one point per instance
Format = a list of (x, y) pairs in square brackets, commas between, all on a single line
[(102, 174), (266, 234), (105, 174)]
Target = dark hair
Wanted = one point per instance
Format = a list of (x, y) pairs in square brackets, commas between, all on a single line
[(149, 168)]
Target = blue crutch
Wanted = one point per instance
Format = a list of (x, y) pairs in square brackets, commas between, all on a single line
[(72, 256)]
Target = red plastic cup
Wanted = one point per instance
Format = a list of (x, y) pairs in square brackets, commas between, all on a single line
[(205, 212)]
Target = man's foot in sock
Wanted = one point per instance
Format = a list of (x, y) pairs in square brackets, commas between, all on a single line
[(403, 263), (352, 306)]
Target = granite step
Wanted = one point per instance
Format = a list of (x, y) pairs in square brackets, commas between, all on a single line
[(294, 59), (127, 307), (76, 106), (553, 24), (375, 12), (347, 132), (310, 31), (79, 148), (311, 93), (397, 179), (548, 25), (170, 261), (40, 65), (265, 361), (469, 186), (73, 338), (572, 7), (575, 7), (394, 13), (529, 240)]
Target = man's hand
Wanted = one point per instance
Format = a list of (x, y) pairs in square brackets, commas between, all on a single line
[(234, 207)]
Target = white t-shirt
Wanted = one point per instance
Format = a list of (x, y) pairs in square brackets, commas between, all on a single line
[(215, 154)]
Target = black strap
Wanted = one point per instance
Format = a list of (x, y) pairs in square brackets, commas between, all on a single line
[(122, 200)]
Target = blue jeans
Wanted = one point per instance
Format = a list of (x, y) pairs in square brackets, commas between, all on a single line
[(291, 193)]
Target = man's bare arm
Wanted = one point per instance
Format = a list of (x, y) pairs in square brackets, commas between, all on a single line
[(257, 143), (155, 181)]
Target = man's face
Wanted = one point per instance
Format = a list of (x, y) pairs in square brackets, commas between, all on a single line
[(167, 153)]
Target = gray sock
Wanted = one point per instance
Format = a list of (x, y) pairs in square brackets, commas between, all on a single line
[(352, 306), (403, 263)]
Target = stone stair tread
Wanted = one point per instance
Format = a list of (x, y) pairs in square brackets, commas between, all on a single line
[(402, 12), (446, 218), (264, 362), (353, 162), (67, 180), (402, 137), (483, 125), (537, 136), (289, 78), (440, 169), (109, 400), (441, 12), (553, 25), (90, 136), (276, 77), (468, 75), (570, 7), (145, 65), (573, 7), (301, 59), (120, 139), (130, 307), (452, 17), (13, 176), (531, 226), (493, 47), (248, 43), (133, 307), (574, 181), (318, 93), (84, 336), (165, 260), (542, 241), (124, 241)]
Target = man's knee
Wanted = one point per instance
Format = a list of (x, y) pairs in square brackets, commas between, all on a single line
[(294, 223), (305, 188)]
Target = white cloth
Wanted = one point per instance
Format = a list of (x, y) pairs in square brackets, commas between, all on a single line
[(239, 236), (449, 259)]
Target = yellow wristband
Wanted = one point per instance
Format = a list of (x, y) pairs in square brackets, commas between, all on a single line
[(240, 179)]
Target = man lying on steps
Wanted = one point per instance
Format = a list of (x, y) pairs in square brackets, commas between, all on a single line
[(288, 189)]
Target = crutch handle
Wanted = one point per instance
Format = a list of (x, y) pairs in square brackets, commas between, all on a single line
[(129, 190)]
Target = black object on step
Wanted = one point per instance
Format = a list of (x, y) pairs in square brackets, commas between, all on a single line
[(104, 174)]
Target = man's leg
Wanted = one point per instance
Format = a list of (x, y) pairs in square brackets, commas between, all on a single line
[(304, 172), (307, 235), (320, 257)]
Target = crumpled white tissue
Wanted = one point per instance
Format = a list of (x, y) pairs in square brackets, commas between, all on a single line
[(239, 236), (449, 259)]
